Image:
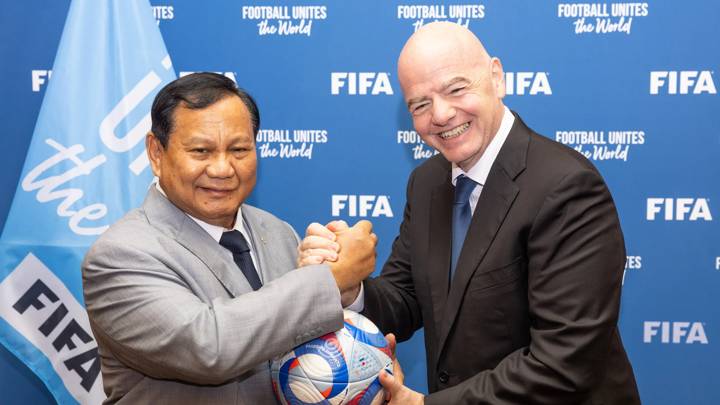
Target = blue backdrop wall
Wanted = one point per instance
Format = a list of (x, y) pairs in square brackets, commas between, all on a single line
[(630, 85)]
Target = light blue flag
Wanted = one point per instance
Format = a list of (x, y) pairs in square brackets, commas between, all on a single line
[(85, 168)]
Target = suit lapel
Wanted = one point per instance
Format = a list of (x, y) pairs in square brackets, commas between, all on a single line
[(260, 236), (172, 221), (440, 234), (496, 198)]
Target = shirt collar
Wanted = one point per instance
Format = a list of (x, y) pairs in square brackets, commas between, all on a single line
[(214, 230), (480, 171)]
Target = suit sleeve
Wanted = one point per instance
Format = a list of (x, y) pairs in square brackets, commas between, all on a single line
[(391, 301), (151, 320), (576, 259)]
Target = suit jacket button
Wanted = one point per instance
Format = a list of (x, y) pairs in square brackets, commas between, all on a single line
[(443, 376)]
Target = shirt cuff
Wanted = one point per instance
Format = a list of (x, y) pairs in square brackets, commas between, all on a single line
[(359, 304)]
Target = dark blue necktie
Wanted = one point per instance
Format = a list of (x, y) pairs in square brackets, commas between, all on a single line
[(235, 242), (462, 214)]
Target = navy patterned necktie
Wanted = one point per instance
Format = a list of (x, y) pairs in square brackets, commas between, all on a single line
[(462, 214), (235, 242)]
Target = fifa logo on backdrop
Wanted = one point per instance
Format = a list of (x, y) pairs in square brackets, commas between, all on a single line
[(361, 206), (362, 83), (674, 332), (39, 78), (682, 82), (531, 83), (678, 209)]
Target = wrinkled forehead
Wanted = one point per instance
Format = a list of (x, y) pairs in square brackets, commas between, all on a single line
[(440, 51), (435, 74)]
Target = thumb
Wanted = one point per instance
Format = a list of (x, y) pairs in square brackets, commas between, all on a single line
[(389, 382), (392, 343), (364, 225), (337, 226)]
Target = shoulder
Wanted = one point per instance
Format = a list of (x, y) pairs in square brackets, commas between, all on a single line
[(553, 155), (557, 175), (548, 162), (435, 166), (540, 155), (132, 226), (133, 232), (255, 215), (542, 167), (430, 174)]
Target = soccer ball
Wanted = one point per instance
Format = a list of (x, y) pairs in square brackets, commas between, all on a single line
[(339, 368)]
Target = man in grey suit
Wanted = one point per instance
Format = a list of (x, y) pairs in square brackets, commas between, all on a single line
[(190, 295)]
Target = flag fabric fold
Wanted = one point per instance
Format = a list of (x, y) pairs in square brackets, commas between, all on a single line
[(85, 167)]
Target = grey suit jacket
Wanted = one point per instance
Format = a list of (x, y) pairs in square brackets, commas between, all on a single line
[(177, 322)]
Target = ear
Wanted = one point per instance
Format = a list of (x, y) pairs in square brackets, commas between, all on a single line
[(155, 152), (498, 77)]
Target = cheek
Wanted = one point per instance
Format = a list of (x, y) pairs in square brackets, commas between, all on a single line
[(187, 175), (246, 169), (422, 125), (428, 140), (190, 173)]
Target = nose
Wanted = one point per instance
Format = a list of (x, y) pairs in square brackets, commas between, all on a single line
[(219, 166), (442, 112)]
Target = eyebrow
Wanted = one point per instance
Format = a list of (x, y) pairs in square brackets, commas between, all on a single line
[(415, 100), (208, 143), (195, 139), (454, 80), (445, 85), (198, 138)]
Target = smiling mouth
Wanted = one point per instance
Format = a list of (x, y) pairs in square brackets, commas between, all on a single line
[(455, 132), (216, 190)]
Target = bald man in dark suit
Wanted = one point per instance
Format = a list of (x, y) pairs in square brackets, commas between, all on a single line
[(510, 253)]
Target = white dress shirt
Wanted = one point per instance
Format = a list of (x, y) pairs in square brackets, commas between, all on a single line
[(216, 232), (480, 171)]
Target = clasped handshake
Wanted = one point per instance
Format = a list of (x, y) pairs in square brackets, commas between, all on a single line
[(349, 251)]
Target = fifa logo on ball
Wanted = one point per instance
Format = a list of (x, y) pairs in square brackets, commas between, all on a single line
[(339, 368)]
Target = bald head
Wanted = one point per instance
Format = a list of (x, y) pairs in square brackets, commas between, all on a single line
[(453, 90), (441, 40)]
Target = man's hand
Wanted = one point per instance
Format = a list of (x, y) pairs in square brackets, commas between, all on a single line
[(320, 244), (397, 393), (350, 252), (397, 370), (356, 259)]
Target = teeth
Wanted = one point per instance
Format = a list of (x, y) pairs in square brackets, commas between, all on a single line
[(455, 131)]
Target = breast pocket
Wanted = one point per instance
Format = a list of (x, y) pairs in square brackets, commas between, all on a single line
[(499, 279)]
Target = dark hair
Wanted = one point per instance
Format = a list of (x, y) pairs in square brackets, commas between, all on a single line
[(195, 91)]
